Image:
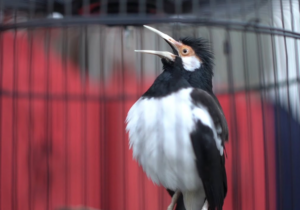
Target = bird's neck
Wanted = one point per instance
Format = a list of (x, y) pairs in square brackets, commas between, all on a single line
[(166, 83), (200, 79)]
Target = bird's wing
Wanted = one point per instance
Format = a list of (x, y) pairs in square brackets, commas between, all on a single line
[(213, 107), (210, 163)]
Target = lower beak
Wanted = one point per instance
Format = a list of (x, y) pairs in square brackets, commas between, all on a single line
[(162, 54), (170, 40)]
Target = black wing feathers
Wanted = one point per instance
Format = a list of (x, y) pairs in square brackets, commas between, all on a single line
[(210, 165), (214, 109)]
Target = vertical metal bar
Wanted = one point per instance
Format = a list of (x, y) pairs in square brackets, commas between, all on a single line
[(160, 191), (157, 72), (212, 5), (140, 86), (279, 176), (125, 168), (2, 16), (288, 106), (262, 100), (65, 35), (296, 56), (228, 12), (50, 4), (103, 119), (177, 32), (68, 9), (210, 33), (14, 154), (31, 9), (297, 61), (195, 5), (84, 121), (248, 114), (243, 11), (298, 68), (159, 6), (178, 8), (30, 118), (156, 41), (80, 55), (123, 7), (248, 106), (277, 132), (142, 7), (48, 119), (142, 73), (66, 115), (236, 190), (1, 116), (237, 194), (14, 13), (103, 5), (85, 6), (292, 15)]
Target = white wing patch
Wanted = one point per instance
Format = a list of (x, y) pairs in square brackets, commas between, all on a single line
[(203, 115), (159, 135)]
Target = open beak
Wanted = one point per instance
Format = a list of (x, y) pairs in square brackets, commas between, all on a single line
[(174, 44), (162, 54)]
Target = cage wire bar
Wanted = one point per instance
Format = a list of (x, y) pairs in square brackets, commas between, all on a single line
[(69, 74)]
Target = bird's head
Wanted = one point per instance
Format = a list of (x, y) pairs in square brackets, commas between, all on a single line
[(192, 54)]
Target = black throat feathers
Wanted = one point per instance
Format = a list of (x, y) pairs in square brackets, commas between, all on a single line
[(169, 81)]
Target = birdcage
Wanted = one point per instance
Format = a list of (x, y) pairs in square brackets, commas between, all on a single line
[(69, 74)]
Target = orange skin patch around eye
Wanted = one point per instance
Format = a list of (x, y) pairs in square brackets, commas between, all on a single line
[(190, 52)]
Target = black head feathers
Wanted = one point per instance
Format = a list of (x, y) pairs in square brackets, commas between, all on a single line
[(202, 50)]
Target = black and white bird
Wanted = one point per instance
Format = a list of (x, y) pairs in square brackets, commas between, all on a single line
[(177, 128)]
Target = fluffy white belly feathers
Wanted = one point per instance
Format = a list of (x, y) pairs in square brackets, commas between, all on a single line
[(159, 135)]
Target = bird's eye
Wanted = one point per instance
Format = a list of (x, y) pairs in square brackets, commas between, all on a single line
[(184, 51)]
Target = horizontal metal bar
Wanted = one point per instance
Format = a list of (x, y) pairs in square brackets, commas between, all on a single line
[(259, 88), (132, 20), (65, 97), (95, 98)]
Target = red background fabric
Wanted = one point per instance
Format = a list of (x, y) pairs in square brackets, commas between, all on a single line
[(61, 152)]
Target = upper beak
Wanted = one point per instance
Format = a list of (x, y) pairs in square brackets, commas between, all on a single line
[(173, 43), (162, 54), (166, 37)]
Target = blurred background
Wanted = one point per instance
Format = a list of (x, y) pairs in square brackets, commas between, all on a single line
[(69, 74)]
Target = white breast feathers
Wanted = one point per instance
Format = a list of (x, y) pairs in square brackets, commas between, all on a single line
[(159, 135)]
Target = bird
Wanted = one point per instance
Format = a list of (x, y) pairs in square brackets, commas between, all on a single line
[(177, 129)]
